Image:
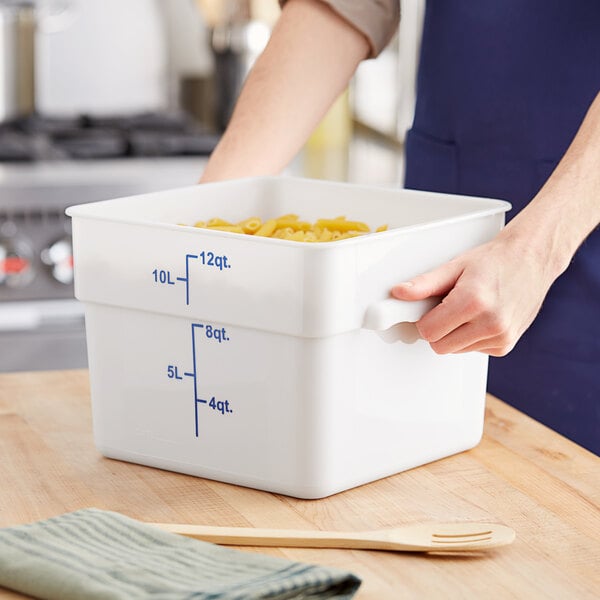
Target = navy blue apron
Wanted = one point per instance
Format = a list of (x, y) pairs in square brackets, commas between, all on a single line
[(502, 89)]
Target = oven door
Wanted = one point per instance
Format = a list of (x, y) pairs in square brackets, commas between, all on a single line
[(42, 335)]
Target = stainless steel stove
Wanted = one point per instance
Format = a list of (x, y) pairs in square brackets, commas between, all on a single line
[(46, 165)]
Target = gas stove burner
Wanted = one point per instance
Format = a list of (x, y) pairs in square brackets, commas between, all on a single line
[(173, 121), (155, 143), (16, 146), (91, 143), (38, 124), (90, 137)]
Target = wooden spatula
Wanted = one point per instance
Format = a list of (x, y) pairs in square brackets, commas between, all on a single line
[(425, 537)]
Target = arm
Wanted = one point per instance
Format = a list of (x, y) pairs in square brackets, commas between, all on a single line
[(494, 292), (308, 62)]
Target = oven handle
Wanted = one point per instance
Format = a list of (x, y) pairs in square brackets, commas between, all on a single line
[(29, 316)]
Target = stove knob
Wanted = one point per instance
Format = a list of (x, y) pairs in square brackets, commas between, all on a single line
[(16, 267), (59, 258)]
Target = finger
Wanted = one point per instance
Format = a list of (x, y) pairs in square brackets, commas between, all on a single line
[(495, 346), (464, 336), (475, 337), (457, 309), (496, 352), (437, 282)]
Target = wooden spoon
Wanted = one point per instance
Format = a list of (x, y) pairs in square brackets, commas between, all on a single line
[(424, 537)]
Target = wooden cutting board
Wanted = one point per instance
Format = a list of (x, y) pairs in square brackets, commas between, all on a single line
[(521, 474)]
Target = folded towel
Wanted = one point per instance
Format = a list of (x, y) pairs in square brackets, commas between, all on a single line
[(93, 554)]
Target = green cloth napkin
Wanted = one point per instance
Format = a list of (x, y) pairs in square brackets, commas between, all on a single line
[(93, 554)]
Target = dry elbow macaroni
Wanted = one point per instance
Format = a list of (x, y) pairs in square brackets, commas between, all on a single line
[(289, 227)]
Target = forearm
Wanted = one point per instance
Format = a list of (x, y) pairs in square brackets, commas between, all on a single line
[(308, 62), (567, 208)]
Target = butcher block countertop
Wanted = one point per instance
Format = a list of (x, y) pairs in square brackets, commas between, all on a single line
[(521, 474)]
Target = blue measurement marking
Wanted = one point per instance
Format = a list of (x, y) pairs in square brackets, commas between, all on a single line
[(194, 374), (194, 326), (196, 412), (187, 277)]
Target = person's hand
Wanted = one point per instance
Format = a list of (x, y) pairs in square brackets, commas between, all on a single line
[(492, 294)]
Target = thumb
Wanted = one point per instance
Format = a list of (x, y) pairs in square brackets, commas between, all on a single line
[(437, 282)]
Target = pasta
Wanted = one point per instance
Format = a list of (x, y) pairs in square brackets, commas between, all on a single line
[(290, 227)]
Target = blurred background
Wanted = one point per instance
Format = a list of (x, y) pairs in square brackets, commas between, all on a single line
[(107, 98)]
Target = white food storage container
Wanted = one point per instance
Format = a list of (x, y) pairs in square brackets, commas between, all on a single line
[(278, 365)]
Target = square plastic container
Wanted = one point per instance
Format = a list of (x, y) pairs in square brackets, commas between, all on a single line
[(278, 365)]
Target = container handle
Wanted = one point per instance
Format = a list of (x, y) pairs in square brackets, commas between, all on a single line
[(386, 313)]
